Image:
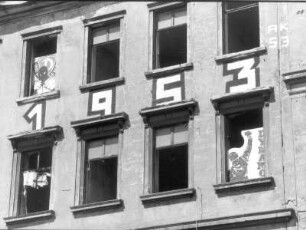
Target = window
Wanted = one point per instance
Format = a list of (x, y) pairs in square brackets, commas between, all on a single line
[(241, 26), (171, 154), (41, 65), (170, 38), (35, 181), (242, 136), (104, 48), (101, 170), (245, 155), (31, 186), (168, 155), (98, 163)]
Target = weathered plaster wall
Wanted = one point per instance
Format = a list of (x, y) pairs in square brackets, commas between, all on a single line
[(286, 124)]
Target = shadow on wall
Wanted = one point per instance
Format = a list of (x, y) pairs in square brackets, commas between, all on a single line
[(17, 18)]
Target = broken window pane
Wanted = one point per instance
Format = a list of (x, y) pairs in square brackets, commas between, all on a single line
[(241, 26), (171, 158), (42, 62), (36, 181), (105, 52), (171, 38), (101, 170), (245, 141)]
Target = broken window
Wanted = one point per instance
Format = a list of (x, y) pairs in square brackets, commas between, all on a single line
[(41, 64), (170, 38), (35, 181), (171, 158), (244, 145), (241, 26), (105, 45), (101, 170)]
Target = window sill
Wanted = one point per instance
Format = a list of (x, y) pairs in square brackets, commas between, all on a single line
[(168, 70), (231, 186), (102, 84), (240, 55), (110, 204), (40, 97), (169, 195), (30, 217)]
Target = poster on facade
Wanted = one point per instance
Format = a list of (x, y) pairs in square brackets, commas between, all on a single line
[(44, 74)]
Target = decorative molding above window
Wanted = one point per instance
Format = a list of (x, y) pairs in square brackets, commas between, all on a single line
[(295, 81), (233, 100), (43, 32), (116, 119), (241, 55), (177, 112), (33, 138), (104, 18)]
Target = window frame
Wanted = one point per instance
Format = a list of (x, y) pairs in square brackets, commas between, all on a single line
[(85, 182), (92, 23), (90, 76), (27, 142), (156, 154), (154, 9), (27, 59), (90, 129), (221, 31), (236, 102), (156, 117)]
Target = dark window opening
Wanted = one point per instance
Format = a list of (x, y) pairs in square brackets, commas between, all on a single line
[(170, 161), (244, 143), (101, 180), (35, 181), (44, 46), (105, 61), (101, 170), (172, 46), (173, 168), (105, 52), (170, 42), (241, 26)]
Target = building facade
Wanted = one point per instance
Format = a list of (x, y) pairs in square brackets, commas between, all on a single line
[(153, 115)]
